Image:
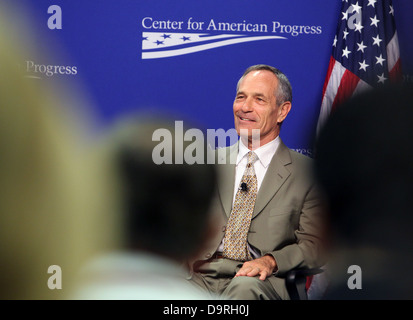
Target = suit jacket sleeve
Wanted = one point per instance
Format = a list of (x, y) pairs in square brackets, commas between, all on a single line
[(300, 218)]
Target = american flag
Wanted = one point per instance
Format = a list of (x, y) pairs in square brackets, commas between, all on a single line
[(365, 52)]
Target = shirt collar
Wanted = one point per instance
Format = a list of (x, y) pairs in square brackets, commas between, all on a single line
[(264, 153)]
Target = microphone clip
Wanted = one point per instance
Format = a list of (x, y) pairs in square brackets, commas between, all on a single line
[(244, 186)]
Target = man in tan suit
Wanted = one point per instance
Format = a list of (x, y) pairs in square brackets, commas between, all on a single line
[(286, 222)]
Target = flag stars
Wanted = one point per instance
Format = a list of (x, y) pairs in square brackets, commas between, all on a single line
[(361, 46), (346, 52), (391, 11), (185, 38), (165, 36), (356, 7), (372, 3), (377, 40), (382, 78), (345, 34), (358, 26), (363, 65), (380, 60), (345, 15), (335, 41), (157, 42), (374, 21)]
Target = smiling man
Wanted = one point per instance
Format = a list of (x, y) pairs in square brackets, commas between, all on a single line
[(268, 207), (262, 102)]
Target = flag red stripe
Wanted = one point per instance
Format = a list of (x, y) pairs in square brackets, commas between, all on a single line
[(395, 74), (329, 71), (347, 86)]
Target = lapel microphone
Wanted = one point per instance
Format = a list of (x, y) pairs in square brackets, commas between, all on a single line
[(244, 186)]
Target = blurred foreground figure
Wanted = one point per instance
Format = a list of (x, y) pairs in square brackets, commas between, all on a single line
[(165, 214), (364, 159), (54, 204)]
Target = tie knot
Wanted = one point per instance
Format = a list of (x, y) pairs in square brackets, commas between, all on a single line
[(252, 157)]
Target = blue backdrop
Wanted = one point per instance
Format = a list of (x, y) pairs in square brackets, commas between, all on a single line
[(186, 56)]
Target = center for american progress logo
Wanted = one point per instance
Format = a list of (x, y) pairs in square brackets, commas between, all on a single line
[(169, 38)]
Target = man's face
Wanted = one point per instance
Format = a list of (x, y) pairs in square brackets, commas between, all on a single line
[(255, 106)]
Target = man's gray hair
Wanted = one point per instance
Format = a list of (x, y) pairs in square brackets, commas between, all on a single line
[(283, 92)]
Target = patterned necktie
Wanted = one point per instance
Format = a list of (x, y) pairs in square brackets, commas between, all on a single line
[(235, 240)]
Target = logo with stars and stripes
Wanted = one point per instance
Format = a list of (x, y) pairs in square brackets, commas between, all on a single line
[(162, 45)]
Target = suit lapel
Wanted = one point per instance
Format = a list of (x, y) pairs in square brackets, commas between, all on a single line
[(274, 178), (227, 176)]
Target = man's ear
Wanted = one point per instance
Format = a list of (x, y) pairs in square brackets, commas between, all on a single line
[(283, 111)]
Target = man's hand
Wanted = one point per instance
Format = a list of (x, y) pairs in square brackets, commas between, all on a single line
[(263, 266)]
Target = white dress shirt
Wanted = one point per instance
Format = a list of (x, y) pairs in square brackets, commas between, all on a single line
[(264, 154)]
